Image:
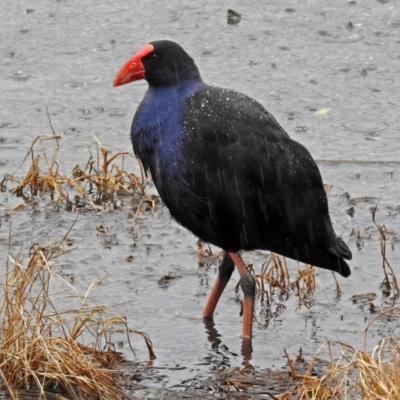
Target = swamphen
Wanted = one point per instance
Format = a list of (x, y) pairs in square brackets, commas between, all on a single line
[(227, 171)]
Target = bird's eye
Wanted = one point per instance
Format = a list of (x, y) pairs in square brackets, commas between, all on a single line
[(154, 57)]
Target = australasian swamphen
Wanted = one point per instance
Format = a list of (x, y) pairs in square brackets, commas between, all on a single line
[(227, 171)]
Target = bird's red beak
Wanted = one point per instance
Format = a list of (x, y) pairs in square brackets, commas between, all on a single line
[(133, 69)]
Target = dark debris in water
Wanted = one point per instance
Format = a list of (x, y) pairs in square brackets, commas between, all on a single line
[(233, 17)]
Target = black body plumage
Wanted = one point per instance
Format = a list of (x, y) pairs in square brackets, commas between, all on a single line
[(227, 170)]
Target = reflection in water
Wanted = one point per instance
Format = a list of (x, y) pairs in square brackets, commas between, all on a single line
[(247, 350), (213, 335), (222, 350)]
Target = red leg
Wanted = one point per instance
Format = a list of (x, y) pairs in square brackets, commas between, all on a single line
[(248, 286), (224, 274)]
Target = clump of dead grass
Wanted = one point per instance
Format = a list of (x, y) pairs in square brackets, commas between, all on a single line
[(274, 278), (357, 374), (389, 282), (48, 347), (93, 187), (349, 373)]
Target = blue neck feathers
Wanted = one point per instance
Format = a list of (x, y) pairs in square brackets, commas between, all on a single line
[(157, 128)]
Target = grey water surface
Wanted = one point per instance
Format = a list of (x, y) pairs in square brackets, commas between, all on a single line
[(327, 70)]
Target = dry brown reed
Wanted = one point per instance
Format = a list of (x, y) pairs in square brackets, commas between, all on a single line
[(95, 185), (349, 373), (390, 281), (357, 374), (48, 347), (275, 278)]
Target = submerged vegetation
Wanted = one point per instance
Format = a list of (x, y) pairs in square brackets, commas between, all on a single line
[(56, 340)]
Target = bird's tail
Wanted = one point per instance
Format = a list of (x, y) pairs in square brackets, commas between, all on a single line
[(331, 258), (328, 260), (343, 268), (340, 250)]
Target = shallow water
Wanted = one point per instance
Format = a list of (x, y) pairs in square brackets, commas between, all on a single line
[(295, 57)]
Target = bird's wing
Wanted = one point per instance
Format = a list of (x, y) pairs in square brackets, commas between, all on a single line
[(256, 180)]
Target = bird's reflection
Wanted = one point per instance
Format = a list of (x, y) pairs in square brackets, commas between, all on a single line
[(222, 350), (247, 350), (212, 334)]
